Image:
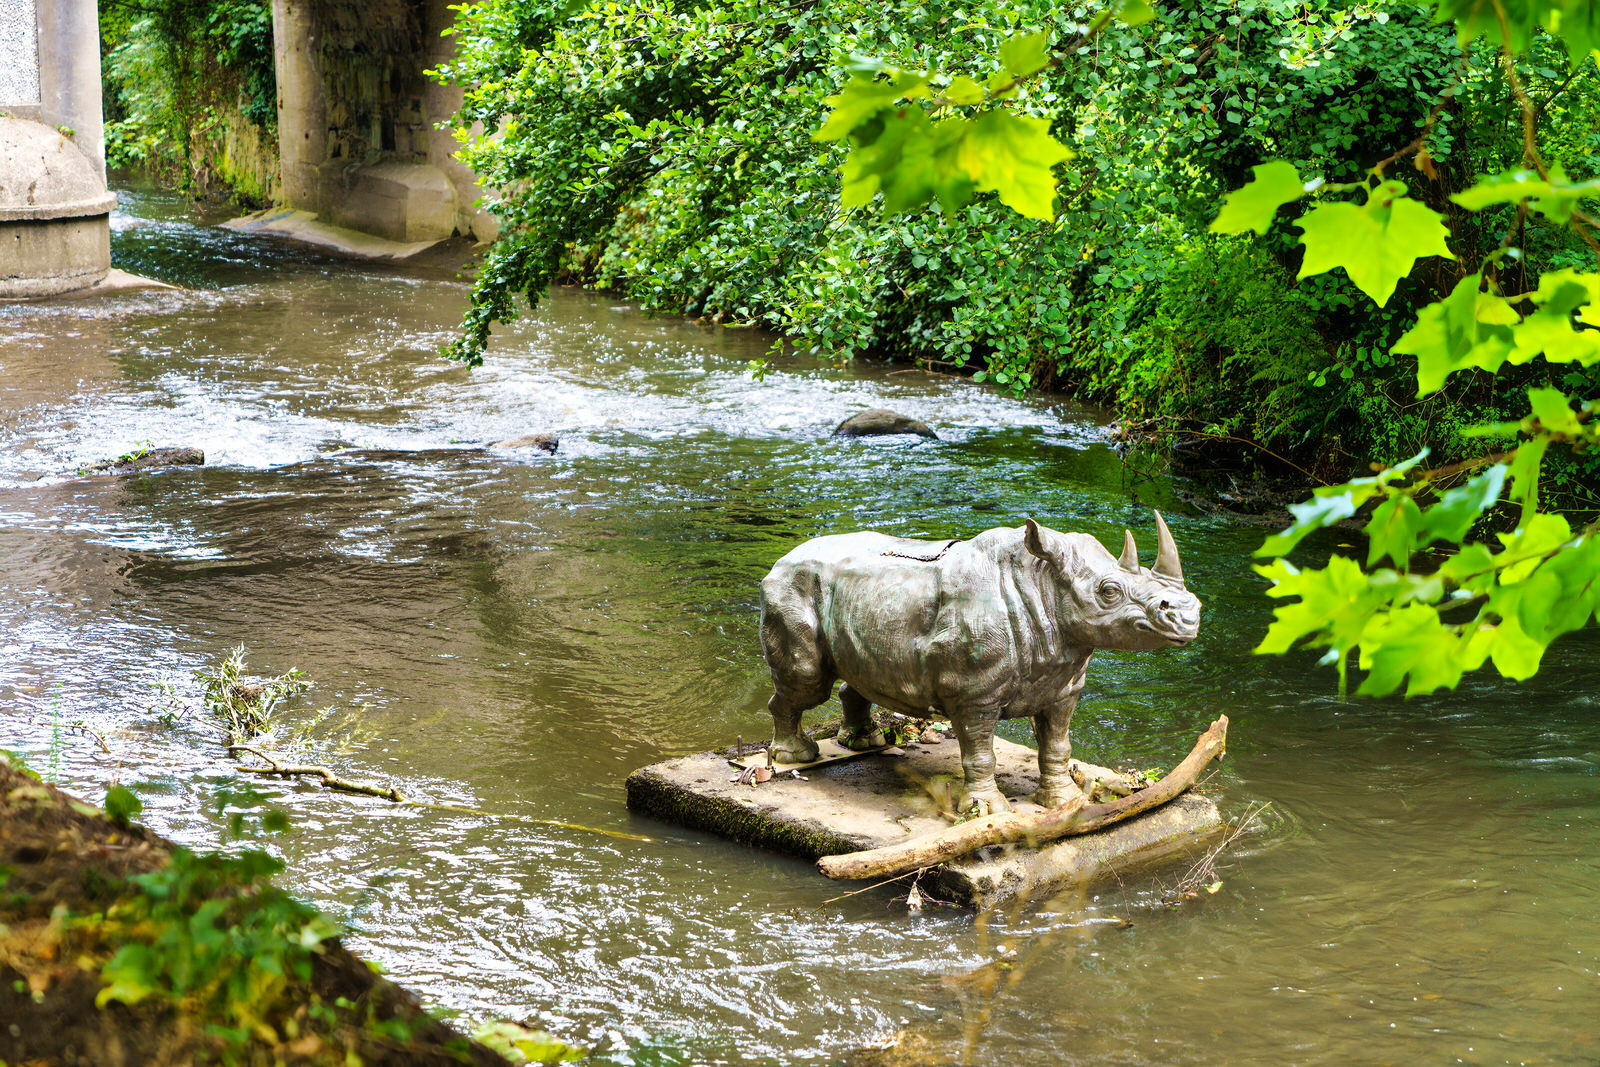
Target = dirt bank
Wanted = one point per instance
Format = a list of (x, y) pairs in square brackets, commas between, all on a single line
[(199, 977)]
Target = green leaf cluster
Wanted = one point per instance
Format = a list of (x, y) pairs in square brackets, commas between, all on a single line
[(211, 934), (911, 154)]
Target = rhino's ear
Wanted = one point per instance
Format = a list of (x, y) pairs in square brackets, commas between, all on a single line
[(1033, 537)]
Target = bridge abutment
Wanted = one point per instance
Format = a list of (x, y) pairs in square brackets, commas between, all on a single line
[(55, 226), (357, 119)]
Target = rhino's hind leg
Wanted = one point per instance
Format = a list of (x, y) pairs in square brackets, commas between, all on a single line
[(859, 732), (789, 745), (975, 732)]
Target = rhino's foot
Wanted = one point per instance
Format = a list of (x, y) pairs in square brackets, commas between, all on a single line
[(1053, 794), (796, 749), (861, 738), (987, 801)]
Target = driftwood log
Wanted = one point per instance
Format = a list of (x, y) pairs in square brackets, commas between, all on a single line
[(1076, 816)]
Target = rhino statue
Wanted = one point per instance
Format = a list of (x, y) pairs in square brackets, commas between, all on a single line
[(996, 627)]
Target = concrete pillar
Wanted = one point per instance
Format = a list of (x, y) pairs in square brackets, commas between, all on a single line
[(440, 102), (69, 73), (302, 104), (19, 59), (55, 226)]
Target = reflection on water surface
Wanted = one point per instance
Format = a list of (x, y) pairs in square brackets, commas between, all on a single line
[(518, 632)]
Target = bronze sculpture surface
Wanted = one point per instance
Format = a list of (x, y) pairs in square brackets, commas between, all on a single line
[(996, 627)]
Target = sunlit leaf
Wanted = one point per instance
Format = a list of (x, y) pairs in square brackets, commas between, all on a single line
[(1465, 329), (1452, 516), (1410, 641), (1527, 545), (1554, 411), (1393, 530), (1329, 504), (1253, 206), (1135, 12), (863, 96), (1515, 654), (1556, 198), (1377, 243), (1524, 468), (1013, 155), (1472, 568), (1335, 604), (1576, 24), (121, 804), (1474, 18), (963, 90), (1025, 54)]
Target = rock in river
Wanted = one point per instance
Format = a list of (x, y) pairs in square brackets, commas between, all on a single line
[(544, 442), (877, 422), (147, 458)]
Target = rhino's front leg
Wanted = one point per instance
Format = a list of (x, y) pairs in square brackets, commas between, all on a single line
[(975, 732), (859, 732), (1055, 755)]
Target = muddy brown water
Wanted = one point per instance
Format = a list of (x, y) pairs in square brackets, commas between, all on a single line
[(517, 633)]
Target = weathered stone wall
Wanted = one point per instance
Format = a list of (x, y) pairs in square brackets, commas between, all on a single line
[(246, 161), (356, 118)]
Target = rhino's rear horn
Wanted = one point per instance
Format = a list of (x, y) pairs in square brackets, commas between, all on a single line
[(1167, 564), (1129, 560), (1034, 540)]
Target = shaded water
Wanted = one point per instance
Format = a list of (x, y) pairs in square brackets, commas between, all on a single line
[(518, 633)]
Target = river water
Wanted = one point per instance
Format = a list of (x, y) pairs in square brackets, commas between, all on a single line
[(517, 633)]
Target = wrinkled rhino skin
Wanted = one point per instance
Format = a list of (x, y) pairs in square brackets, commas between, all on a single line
[(878, 422), (998, 627)]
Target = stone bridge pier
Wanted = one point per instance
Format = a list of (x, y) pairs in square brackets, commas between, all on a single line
[(55, 231), (358, 140), (363, 166)]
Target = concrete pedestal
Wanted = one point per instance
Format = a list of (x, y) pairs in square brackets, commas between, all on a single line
[(888, 798)]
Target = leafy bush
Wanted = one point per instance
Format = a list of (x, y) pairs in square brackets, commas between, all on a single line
[(667, 151)]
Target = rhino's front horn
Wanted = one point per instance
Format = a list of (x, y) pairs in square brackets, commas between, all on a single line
[(1129, 561), (1167, 563)]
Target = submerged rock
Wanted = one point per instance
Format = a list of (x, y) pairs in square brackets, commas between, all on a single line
[(879, 422), (148, 458), (544, 442)]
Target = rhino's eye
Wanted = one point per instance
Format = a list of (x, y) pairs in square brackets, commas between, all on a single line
[(1110, 593)]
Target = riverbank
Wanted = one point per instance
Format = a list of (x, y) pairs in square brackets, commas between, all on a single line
[(119, 947)]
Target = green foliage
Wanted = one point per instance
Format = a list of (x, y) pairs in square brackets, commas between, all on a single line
[(121, 805), (911, 155), (668, 151), (175, 70), (242, 706), (1376, 242), (1418, 626), (210, 935), (1254, 205), (1220, 336)]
